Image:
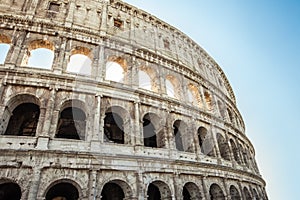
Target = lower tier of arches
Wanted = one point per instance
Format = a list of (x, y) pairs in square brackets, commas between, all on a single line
[(61, 176)]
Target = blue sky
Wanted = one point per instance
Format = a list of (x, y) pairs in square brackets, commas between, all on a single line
[(257, 44)]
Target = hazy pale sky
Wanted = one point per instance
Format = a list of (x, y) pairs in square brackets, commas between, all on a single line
[(257, 44)]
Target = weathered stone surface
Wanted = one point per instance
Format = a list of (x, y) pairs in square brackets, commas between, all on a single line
[(170, 122)]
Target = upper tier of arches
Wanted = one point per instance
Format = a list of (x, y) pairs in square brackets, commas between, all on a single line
[(121, 22), (40, 52)]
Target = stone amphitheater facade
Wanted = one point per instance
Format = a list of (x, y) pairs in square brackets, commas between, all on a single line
[(147, 114)]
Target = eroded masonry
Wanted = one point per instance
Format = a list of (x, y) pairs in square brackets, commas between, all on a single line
[(101, 100)]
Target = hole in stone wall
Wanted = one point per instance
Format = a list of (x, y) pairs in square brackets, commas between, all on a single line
[(112, 191), (53, 6), (223, 147), (186, 194), (144, 80), (62, 191), (150, 139), (234, 193), (24, 120), (41, 58), (177, 131), (166, 44), (216, 192), (4, 48), (208, 100), (115, 69), (235, 151), (153, 192), (10, 191), (80, 64), (80, 61), (118, 23), (113, 128), (71, 124), (170, 89), (191, 191), (202, 132), (247, 194)]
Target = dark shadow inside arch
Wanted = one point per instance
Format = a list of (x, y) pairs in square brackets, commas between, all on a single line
[(235, 151), (247, 194), (112, 191), (178, 135), (153, 192), (234, 193), (255, 194), (223, 147), (191, 191), (24, 120), (186, 194), (202, 133), (216, 192), (10, 191), (62, 191), (71, 124), (113, 128), (150, 139)]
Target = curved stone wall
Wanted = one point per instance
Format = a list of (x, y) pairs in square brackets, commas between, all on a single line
[(105, 101)]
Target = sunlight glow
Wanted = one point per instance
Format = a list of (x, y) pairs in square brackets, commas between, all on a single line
[(80, 64), (41, 58), (170, 89), (191, 97), (114, 72), (4, 48), (144, 80)]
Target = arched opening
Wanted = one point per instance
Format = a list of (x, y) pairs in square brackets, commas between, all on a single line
[(234, 193), (190, 96), (116, 190), (115, 69), (235, 151), (80, 61), (40, 55), (247, 194), (191, 191), (222, 109), (10, 191), (245, 157), (170, 88), (208, 100), (241, 154), (231, 118), (71, 124), (62, 191), (255, 194), (216, 192), (223, 147), (145, 80), (202, 133), (5, 42), (150, 139), (206, 142), (186, 194), (112, 191), (24, 120), (178, 135), (158, 190), (153, 192), (193, 95), (113, 128)]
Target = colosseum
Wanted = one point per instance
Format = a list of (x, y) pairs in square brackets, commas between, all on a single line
[(102, 100)]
